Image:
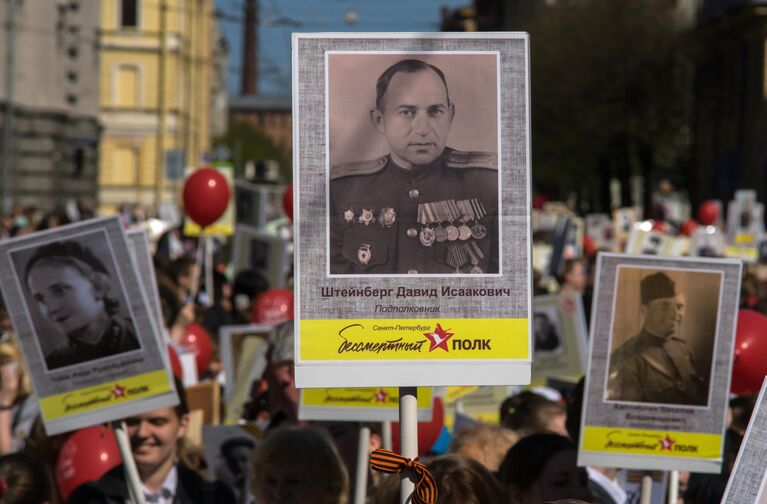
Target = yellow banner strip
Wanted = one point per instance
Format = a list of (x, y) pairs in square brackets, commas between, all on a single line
[(413, 339), (370, 397), (105, 395), (652, 442)]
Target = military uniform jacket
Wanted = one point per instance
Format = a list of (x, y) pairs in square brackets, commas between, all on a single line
[(119, 337), (441, 218), (647, 368)]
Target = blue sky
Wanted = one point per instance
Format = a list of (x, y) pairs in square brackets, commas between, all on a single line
[(278, 18)]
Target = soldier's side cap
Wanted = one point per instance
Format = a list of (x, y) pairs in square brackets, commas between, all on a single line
[(357, 168), (472, 159), (657, 286)]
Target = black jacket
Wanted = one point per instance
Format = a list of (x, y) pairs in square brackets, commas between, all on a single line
[(192, 489)]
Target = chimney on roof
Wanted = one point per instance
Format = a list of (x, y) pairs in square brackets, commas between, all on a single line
[(250, 49)]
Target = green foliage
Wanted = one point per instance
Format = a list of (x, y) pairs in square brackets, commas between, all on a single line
[(249, 143), (611, 90)]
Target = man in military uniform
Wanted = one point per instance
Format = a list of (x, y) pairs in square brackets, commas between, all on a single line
[(424, 207), (71, 288), (656, 366)]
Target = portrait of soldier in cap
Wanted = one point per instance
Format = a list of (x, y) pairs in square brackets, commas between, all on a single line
[(422, 207), (657, 365)]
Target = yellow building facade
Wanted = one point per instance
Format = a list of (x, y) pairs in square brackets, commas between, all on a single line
[(155, 97)]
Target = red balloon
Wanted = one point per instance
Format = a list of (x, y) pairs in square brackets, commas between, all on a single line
[(273, 306), (206, 195), (708, 213), (749, 365), (688, 227), (175, 363), (428, 432), (287, 202), (86, 456), (589, 247), (197, 341)]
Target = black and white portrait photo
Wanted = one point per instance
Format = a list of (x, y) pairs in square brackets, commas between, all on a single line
[(546, 335), (76, 297), (228, 450), (663, 336), (413, 154), (76, 300)]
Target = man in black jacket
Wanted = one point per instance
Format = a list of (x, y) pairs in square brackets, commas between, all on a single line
[(155, 437)]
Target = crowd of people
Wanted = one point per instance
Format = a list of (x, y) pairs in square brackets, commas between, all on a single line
[(529, 456)]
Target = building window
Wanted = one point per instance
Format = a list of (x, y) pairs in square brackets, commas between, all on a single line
[(128, 13), (126, 86), (124, 167)]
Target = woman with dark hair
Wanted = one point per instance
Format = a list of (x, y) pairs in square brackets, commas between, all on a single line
[(542, 467), (24, 480), (72, 289)]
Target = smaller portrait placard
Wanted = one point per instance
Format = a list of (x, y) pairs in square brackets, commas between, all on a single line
[(263, 252), (86, 328), (707, 241), (646, 242), (243, 355), (559, 336), (748, 480), (660, 362), (228, 453), (601, 230), (373, 404), (623, 221)]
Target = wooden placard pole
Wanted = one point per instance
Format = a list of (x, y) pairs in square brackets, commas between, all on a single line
[(132, 479)]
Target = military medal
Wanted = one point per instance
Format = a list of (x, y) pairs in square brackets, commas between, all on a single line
[(478, 231), (456, 257), (364, 254), (387, 217), (452, 232), (349, 215), (464, 210), (464, 232), (366, 217), (427, 236), (441, 234), (426, 216), (475, 255)]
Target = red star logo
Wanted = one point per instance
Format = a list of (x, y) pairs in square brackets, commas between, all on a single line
[(438, 338), (118, 391), (666, 443), (381, 396)]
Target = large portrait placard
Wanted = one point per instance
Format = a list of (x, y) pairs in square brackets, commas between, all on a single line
[(660, 362), (412, 176), (748, 479), (86, 329)]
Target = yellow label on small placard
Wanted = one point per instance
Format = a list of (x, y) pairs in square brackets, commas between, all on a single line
[(413, 339), (739, 252), (455, 393), (94, 398), (652, 442), (369, 397), (744, 238)]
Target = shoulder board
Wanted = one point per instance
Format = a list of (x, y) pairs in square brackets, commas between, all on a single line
[(472, 159), (358, 168)]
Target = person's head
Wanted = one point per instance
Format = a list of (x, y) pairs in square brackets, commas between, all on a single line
[(413, 111), (70, 285), (25, 480), (527, 413), (542, 467), (155, 435), (294, 465), (576, 275), (662, 305), (184, 270), (462, 480), (236, 453), (485, 443)]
